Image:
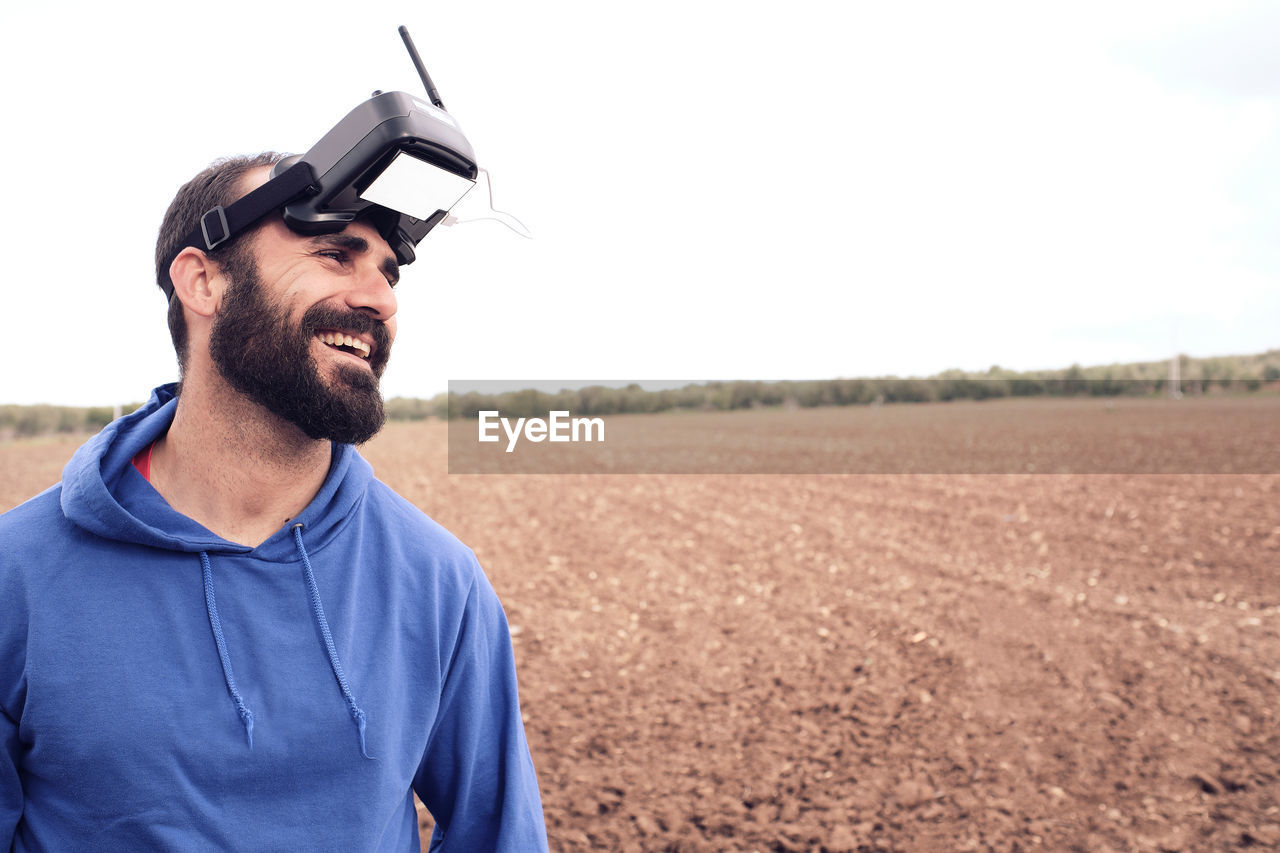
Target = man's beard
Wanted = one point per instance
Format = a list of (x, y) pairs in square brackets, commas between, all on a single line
[(268, 360)]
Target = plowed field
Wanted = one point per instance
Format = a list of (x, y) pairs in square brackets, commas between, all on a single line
[(924, 662)]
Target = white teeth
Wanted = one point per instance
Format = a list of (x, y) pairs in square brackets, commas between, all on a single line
[(337, 340)]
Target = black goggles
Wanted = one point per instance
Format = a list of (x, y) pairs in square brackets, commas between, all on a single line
[(395, 161)]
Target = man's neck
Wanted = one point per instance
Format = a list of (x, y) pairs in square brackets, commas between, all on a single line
[(235, 467)]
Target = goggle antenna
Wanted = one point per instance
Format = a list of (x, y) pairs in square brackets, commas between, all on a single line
[(432, 94)]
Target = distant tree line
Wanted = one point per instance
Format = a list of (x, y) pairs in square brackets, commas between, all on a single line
[(1197, 376), (1239, 373), (25, 421)]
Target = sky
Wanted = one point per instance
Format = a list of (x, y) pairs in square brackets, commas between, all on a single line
[(716, 190)]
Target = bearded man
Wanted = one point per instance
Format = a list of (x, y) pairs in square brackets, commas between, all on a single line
[(220, 631)]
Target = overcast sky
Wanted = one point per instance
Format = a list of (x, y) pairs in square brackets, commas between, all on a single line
[(716, 189)]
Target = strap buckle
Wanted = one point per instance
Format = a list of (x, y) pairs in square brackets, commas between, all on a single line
[(220, 223)]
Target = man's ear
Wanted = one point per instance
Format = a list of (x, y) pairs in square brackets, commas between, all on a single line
[(196, 281)]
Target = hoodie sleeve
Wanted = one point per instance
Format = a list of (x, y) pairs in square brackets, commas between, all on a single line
[(13, 657), (477, 777), (10, 783)]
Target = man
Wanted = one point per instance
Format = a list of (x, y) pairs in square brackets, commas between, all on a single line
[(219, 631)]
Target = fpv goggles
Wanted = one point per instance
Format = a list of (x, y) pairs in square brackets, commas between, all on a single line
[(396, 160)]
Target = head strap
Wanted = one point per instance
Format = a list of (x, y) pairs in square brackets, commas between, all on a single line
[(219, 224)]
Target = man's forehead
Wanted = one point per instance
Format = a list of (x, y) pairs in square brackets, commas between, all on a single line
[(252, 179)]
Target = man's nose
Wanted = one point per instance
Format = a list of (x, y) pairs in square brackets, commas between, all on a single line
[(373, 293)]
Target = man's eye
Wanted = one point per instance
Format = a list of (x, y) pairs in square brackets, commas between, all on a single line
[(333, 254)]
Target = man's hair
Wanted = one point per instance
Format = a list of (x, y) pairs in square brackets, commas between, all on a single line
[(216, 185)]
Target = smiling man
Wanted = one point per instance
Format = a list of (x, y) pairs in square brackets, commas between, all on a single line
[(220, 631)]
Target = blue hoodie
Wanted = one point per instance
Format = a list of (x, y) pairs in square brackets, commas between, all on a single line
[(162, 688)]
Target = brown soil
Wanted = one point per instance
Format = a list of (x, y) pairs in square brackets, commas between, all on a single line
[(933, 662)]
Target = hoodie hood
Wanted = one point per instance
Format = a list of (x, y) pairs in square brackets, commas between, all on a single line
[(104, 494)]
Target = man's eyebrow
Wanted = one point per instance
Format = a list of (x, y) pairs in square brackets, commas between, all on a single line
[(358, 245)]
